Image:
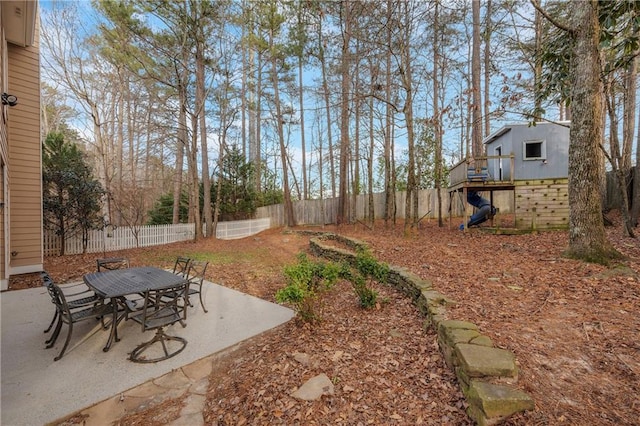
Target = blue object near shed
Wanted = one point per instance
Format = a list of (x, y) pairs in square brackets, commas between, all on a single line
[(530, 160)]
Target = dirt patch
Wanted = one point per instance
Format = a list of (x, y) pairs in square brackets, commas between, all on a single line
[(574, 328)]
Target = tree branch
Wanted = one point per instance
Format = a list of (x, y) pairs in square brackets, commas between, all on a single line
[(381, 99), (535, 117), (551, 19)]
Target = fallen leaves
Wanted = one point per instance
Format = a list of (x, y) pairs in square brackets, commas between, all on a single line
[(574, 329)]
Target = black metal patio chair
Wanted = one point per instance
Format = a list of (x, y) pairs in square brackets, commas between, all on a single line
[(195, 275), (77, 296), (161, 309), (70, 316), (181, 267)]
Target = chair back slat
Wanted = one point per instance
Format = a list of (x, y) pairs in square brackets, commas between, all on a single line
[(195, 276), (112, 263), (197, 270), (163, 307), (181, 266), (57, 296)]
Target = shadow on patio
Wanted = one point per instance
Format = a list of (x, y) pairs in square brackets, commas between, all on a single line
[(36, 390)]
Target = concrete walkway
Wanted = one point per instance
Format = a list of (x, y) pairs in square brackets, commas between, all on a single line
[(36, 390)]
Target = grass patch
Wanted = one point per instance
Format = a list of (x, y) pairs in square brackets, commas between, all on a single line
[(168, 258)]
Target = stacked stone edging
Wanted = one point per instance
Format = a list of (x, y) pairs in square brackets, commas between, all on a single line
[(486, 374)]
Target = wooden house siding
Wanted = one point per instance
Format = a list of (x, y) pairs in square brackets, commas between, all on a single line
[(542, 204), (4, 84), (24, 155)]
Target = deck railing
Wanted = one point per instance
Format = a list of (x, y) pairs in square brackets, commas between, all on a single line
[(474, 169)]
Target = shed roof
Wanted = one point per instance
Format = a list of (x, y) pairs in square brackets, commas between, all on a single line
[(505, 129)]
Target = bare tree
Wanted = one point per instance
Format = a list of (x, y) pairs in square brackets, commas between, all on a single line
[(437, 115), (389, 164), (276, 56), (70, 62), (476, 126), (345, 65), (635, 204), (488, 28), (628, 131)]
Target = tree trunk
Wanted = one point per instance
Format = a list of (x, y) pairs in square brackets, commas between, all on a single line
[(202, 120), (343, 201), (371, 209), (244, 46), (305, 182), (587, 238), (411, 204), (487, 69), (616, 160), (288, 205), (257, 143), (327, 105), (355, 155), (436, 110), (181, 142), (628, 122), (635, 200), (389, 187), (628, 131), (195, 178), (537, 70), (476, 126)]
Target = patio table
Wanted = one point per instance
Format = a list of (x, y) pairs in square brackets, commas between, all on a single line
[(119, 283)]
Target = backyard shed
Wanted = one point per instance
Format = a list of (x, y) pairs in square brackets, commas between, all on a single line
[(532, 163)]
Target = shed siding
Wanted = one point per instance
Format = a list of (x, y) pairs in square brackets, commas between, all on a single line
[(556, 140), (542, 204), (25, 182)]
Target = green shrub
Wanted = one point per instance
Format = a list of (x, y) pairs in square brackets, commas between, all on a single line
[(366, 295), (307, 281), (368, 266)]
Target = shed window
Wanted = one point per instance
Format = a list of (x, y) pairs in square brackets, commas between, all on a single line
[(534, 150)]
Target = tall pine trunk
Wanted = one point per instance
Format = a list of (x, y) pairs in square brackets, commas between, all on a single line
[(343, 201)]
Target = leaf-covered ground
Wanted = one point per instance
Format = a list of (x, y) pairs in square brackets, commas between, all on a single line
[(574, 328)]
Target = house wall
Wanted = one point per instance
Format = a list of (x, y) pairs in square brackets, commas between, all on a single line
[(556, 158), (4, 278), (24, 159)]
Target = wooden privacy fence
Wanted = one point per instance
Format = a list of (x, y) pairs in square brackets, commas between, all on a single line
[(323, 212), (123, 238), (306, 212), (614, 198)]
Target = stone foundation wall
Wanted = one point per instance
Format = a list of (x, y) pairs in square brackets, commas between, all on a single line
[(487, 375)]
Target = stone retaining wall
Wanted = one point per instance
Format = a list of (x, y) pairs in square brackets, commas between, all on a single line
[(486, 374)]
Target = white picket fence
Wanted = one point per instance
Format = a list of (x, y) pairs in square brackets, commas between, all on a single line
[(241, 228), (123, 238)]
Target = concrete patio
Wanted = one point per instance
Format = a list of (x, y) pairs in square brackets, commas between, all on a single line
[(36, 390)]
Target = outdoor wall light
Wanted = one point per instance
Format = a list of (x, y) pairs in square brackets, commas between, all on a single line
[(10, 100)]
